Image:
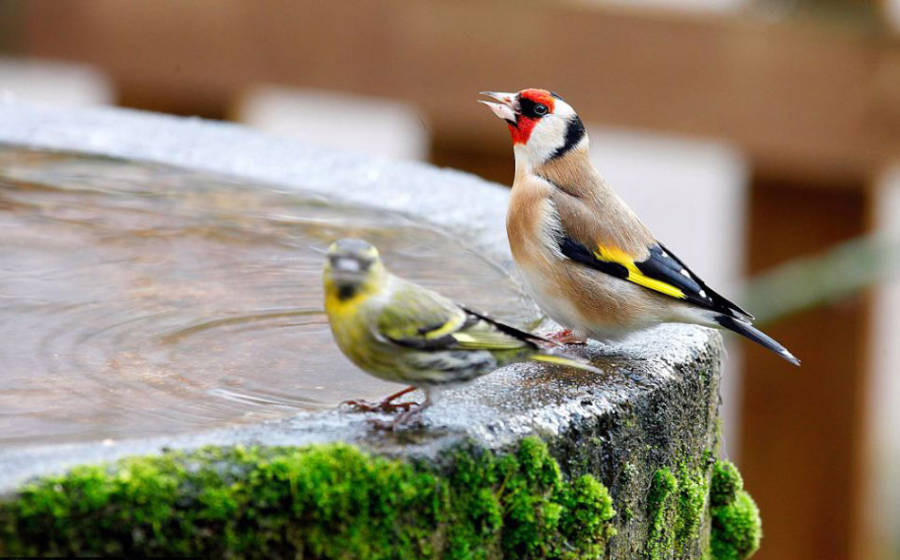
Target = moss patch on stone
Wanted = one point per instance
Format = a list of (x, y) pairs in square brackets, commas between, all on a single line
[(329, 501), (726, 482), (659, 538), (736, 527), (678, 501), (676, 505)]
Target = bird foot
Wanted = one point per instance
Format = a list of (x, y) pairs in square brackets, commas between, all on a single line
[(567, 337), (385, 405)]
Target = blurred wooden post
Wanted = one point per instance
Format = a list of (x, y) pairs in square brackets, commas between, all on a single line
[(804, 437), (883, 493)]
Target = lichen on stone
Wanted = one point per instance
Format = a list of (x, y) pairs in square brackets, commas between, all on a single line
[(326, 501)]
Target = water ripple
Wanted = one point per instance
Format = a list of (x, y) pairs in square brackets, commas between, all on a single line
[(141, 300)]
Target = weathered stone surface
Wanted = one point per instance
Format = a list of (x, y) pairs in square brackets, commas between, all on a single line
[(647, 428)]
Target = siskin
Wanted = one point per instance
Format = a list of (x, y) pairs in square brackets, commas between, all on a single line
[(399, 331)]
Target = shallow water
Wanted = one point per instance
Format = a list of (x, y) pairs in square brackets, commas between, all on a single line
[(139, 299)]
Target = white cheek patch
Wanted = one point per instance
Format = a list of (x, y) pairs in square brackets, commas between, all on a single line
[(563, 110), (547, 136)]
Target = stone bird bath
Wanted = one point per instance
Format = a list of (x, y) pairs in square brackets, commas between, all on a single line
[(530, 461)]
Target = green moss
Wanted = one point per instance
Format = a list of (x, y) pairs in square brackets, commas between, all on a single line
[(726, 482), (736, 527), (589, 510), (330, 501), (692, 493), (675, 506), (660, 538)]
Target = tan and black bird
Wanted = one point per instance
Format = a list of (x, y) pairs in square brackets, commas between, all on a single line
[(586, 258)]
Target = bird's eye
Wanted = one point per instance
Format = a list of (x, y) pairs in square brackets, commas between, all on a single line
[(540, 109)]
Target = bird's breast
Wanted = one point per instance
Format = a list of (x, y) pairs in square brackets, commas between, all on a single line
[(573, 295), (531, 226)]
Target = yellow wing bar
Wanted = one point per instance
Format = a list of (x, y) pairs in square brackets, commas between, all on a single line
[(618, 256), (452, 325)]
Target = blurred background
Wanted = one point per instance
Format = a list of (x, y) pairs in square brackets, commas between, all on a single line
[(759, 139)]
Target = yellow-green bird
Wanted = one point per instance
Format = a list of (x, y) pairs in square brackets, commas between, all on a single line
[(399, 331)]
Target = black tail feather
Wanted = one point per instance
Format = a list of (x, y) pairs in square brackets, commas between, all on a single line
[(531, 338), (746, 329)]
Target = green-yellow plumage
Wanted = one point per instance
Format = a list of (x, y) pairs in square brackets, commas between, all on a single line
[(402, 332)]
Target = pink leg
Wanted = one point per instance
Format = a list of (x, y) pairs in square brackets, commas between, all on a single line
[(567, 337), (386, 404), (406, 419)]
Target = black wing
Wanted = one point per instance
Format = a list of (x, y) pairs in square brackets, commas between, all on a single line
[(661, 272)]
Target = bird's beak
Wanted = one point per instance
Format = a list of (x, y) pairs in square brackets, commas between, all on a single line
[(506, 109)]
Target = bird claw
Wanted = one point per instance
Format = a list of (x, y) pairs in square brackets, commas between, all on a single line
[(566, 336), (408, 417), (387, 404)]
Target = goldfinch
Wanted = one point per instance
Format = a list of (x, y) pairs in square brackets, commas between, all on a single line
[(400, 331), (586, 258)]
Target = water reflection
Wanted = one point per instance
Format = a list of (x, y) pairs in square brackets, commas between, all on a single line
[(140, 299)]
